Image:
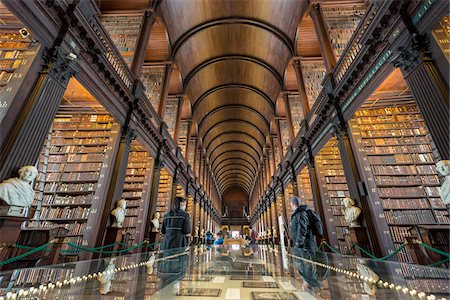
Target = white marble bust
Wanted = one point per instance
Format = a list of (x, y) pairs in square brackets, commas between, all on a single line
[(369, 288), (274, 230), (155, 222), (119, 213), (149, 264), (443, 168), (350, 212), (18, 191), (106, 276)]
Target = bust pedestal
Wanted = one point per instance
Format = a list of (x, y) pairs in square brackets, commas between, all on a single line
[(113, 235), (358, 235)]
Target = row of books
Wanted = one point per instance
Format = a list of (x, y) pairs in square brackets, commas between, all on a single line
[(80, 141), (406, 180), (91, 157), (398, 125), (135, 185), (137, 165), (11, 54), (401, 158), (82, 119), (419, 191), (64, 213), (76, 149), (408, 203), (68, 200), (5, 44), (75, 228), (393, 132), (441, 286), (374, 150), (135, 194), (82, 133), (410, 216), (10, 63), (399, 233), (69, 187), (404, 169), (133, 173), (368, 141), (41, 276), (60, 167), (389, 119), (73, 176), (417, 271), (5, 77)]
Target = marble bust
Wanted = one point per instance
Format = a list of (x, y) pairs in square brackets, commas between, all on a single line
[(18, 191), (443, 168), (274, 230), (106, 276), (369, 288), (119, 213), (350, 212), (155, 222)]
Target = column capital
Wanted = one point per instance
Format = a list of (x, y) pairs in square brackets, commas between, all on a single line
[(408, 57)]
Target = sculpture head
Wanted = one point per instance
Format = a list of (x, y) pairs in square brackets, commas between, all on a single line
[(28, 173), (122, 203), (443, 167), (348, 202), (156, 216)]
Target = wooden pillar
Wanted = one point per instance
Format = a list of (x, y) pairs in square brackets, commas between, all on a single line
[(176, 131), (324, 39), (301, 87), (353, 179), (315, 189), (429, 89), (23, 145), (293, 180), (116, 183), (274, 165), (194, 213), (174, 189), (141, 44), (287, 109), (164, 91), (284, 208), (195, 162), (158, 165)]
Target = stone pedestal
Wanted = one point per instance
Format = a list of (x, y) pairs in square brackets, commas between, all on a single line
[(358, 235)]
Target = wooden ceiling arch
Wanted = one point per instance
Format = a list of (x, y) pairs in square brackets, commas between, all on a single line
[(232, 57)]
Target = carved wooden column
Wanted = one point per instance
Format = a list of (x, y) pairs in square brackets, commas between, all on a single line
[(318, 205), (287, 109), (195, 162), (301, 87), (284, 208), (194, 213), (175, 180), (24, 143), (176, 131), (355, 186), (164, 90), (274, 164), (429, 89), (141, 44), (322, 35), (158, 165)]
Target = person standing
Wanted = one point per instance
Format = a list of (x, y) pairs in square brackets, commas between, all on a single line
[(253, 235), (176, 225)]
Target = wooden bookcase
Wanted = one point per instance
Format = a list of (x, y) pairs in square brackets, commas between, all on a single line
[(164, 194), (124, 32), (441, 34), (136, 192), (295, 106), (394, 149), (304, 187), (182, 136), (72, 167), (313, 74), (152, 78), (191, 153), (170, 116), (288, 193), (333, 188), (284, 129), (341, 23), (16, 57)]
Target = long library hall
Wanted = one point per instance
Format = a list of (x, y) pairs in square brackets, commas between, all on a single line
[(224, 149)]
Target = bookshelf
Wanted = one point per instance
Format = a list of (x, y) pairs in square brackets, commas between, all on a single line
[(284, 129), (152, 78), (395, 152), (341, 23), (295, 106), (190, 207), (180, 191), (77, 151), (304, 187), (313, 73), (16, 57), (288, 193), (191, 153), (124, 32), (136, 192), (333, 188), (277, 152), (170, 116), (182, 136), (164, 194), (441, 34)]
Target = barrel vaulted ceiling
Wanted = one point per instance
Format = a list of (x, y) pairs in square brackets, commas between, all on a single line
[(232, 56)]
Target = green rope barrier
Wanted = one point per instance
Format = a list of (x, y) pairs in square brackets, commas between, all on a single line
[(331, 248), (23, 255), (86, 249), (434, 249), (380, 258), (439, 262)]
